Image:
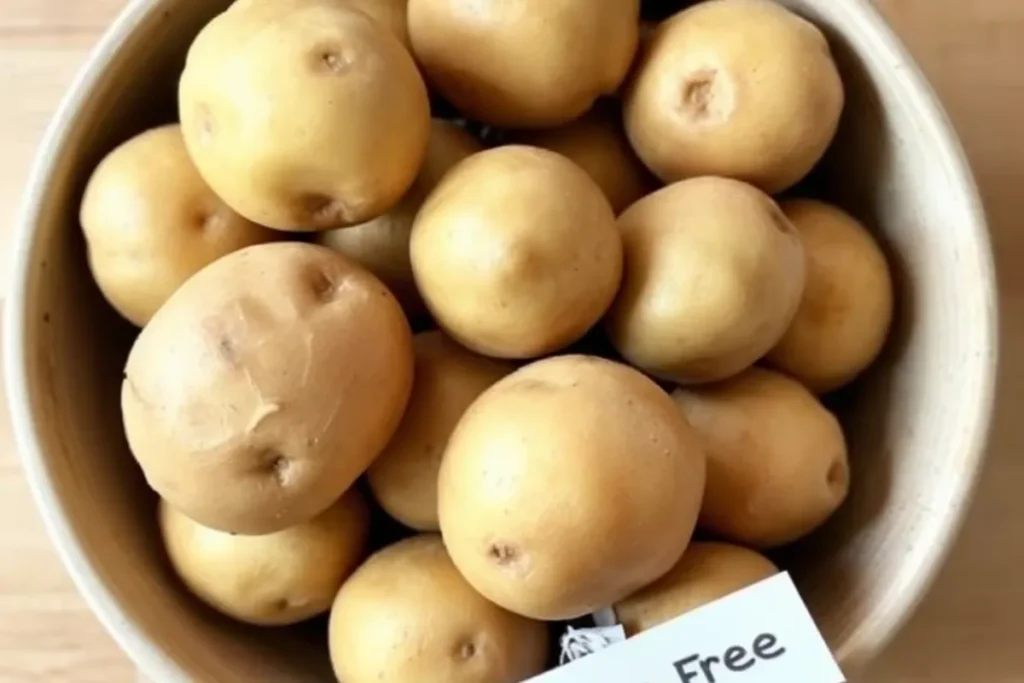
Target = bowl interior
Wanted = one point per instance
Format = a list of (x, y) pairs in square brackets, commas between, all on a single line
[(915, 423)]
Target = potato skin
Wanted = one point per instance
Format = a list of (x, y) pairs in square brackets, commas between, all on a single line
[(150, 223), (382, 244), (516, 252), (569, 485), (266, 385), (390, 13), (597, 144), (303, 114), (408, 615), (847, 307), (776, 458), (528, 64), (448, 378), (707, 571), (739, 88), (272, 580), (712, 279)]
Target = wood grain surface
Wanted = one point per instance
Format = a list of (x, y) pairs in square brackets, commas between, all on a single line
[(969, 628)]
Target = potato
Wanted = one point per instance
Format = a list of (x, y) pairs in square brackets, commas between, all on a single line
[(847, 307), (713, 277), (150, 222), (528, 64), (303, 114), (408, 615), (266, 385), (597, 144), (273, 580), (739, 88), (777, 465), (707, 572), (382, 244), (569, 485), (516, 252), (448, 379), (390, 13)]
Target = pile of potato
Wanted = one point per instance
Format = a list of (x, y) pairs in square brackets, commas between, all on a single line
[(620, 336)]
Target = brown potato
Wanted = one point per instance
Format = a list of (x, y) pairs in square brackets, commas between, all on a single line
[(150, 223), (569, 485), (448, 379), (707, 572), (738, 88), (266, 385), (303, 114), (777, 464), (408, 615), (516, 252), (847, 307), (382, 244), (597, 144), (713, 277), (276, 579), (528, 64)]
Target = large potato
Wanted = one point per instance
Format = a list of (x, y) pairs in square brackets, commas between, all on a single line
[(266, 385), (527, 64), (847, 307), (777, 465), (408, 615), (276, 579), (516, 252), (303, 114), (448, 379), (569, 485), (713, 277), (382, 244), (150, 222), (597, 144), (739, 88)]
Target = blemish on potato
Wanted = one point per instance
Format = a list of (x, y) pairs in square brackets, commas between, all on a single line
[(467, 650), (226, 350), (706, 97), (336, 61), (503, 553), (323, 210)]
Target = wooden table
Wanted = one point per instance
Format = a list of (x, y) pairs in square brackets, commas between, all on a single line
[(970, 627)]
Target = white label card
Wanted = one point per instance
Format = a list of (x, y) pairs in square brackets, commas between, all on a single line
[(761, 634)]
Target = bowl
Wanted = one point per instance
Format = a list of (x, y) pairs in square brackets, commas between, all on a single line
[(917, 423)]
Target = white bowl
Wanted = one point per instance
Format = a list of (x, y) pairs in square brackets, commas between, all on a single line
[(917, 424)]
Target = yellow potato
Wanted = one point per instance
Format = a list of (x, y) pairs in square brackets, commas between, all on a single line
[(516, 252), (150, 223), (266, 385), (526, 64), (408, 615), (569, 485), (448, 378), (597, 144), (847, 307), (707, 572), (713, 277), (303, 114), (382, 244), (776, 458), (739, 88), (272, 580)]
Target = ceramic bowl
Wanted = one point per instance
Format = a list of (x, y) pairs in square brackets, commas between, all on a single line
[(917, 423)]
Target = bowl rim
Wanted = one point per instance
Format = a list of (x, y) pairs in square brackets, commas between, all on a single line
[(864, 642)]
